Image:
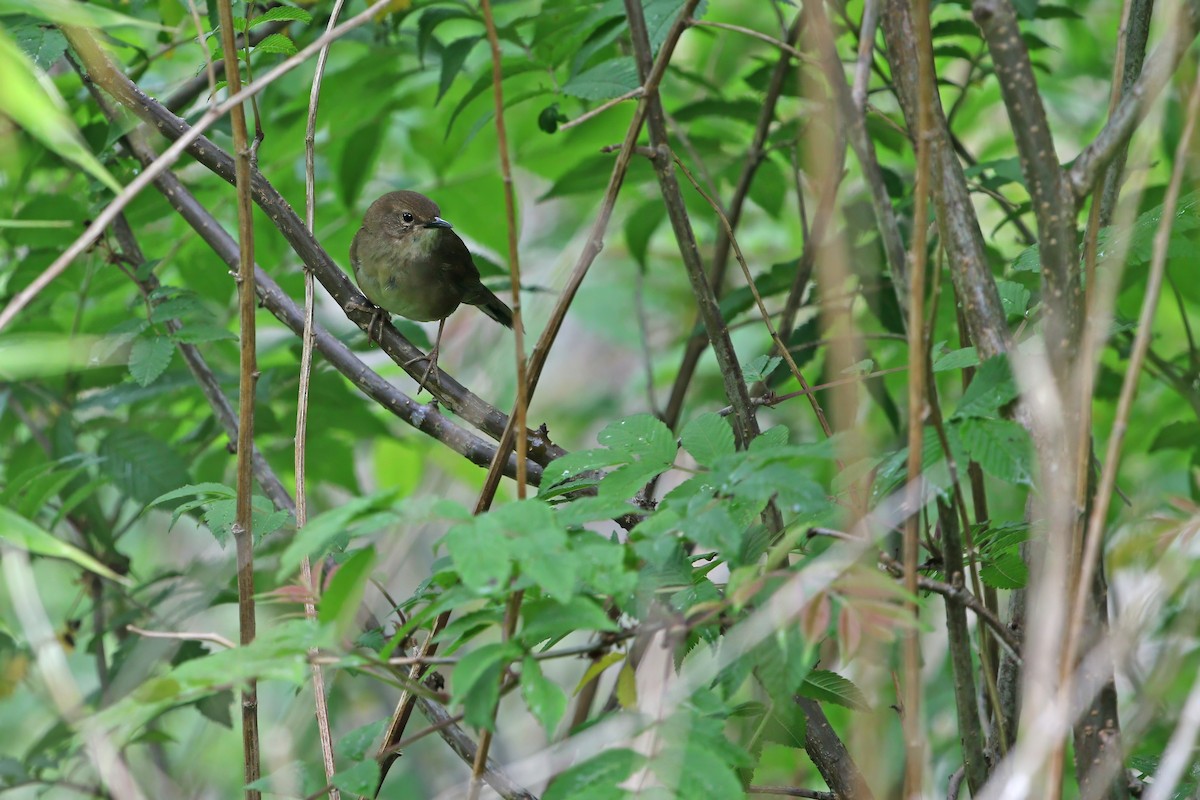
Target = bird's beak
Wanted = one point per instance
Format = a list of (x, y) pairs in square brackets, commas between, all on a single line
[(438, 222)]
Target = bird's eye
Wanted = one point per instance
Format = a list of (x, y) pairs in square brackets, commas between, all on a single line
[(407, 216)]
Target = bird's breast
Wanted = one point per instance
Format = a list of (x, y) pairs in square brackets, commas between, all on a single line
[(402, 275)]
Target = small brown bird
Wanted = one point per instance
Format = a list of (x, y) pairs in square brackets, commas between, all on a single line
[(408, 261)]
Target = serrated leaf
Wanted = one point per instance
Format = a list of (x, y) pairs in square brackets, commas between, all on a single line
[(707, 438), (1014, 298), (641, 436), (606, 80), (760, 367), (1006, 571), (1003, 448), (149, 357), (956, 359), (281, 13), (140, 465), (598, 778), (992, 387), (829, 687), (481, 553), (276, 43)]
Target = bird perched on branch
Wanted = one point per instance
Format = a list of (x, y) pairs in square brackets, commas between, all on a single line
[(408, 261)]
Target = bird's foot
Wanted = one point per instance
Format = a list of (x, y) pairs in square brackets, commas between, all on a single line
[(378, 317), (430, 370)]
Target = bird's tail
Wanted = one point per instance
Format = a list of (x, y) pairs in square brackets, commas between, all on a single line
[(487, 302)]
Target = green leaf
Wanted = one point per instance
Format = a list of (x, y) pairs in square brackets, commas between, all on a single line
[(45, 45), (476, 681), (29, 98), (1002, 447), (550, 619), (760, 368), (361, 779), (1177, 435), (428, 22), (281, 13), (481, 553), (341, 599), (314, 538), (1030, 260), (606, 80), (454, 55), (1014, 298), (1005, 571), (642, 437), (545, 699), (829, 687), (640, 226), (956, 359), (149, 357), (358, 160), (708, 437), (276, 43), (140, 465), (356, 744), (69, 12), (598, 778), (992, 387), (20, 532)]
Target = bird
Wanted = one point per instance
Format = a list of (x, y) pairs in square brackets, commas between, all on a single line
[(407, 260)]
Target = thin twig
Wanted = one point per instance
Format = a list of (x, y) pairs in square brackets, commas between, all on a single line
[(320, 700), (600, 109), (183, 636), (762, 309), (762, 37), (513, 609)]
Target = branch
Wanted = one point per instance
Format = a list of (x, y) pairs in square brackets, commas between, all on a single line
[(1049, 190), (1135, 102), (957, 222), (827, 752), (320, 699), (1135, 34), (755, 154), (853, 113), (745, 425)]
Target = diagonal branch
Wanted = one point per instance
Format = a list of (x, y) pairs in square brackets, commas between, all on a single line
[(1135, 102)]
